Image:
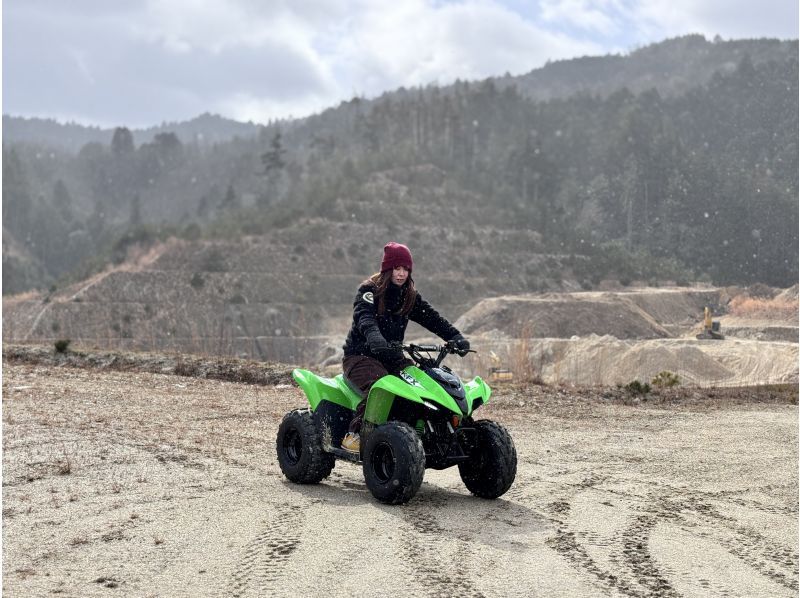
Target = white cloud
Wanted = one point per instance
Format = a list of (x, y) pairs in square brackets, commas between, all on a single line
[(151, 60), (600, 16), (417, 42), (620, 23), (728, 18), (212, 25), (82, 64), (248, 107), (357, 48)]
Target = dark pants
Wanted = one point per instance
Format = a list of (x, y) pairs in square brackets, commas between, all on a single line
[(362, 372)]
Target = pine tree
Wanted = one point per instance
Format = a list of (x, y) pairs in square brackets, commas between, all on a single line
[(122, 142)]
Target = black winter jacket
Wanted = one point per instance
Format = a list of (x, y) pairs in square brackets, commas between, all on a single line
[(391, 325)]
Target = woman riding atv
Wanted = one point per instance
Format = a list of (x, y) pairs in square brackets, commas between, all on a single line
[(384, 304)]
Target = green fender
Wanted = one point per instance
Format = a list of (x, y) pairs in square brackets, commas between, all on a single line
[(320, 389), (426, 389), (383, 393), (477, 389)]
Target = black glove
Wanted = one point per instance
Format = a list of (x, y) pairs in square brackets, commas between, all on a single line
[(386, 352), (394, 353), (375, 341), (460, 343)]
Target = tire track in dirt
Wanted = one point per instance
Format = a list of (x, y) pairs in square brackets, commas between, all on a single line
[(567, 545), (266, 556), (630, 546), (637, 574), (566, 541), (732, 496), (772, 560), (423, 541), (635, 542)]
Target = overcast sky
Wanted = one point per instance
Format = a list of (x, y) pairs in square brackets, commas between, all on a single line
[(142, 62)]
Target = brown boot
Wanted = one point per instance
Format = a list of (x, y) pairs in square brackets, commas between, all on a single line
[(351, 442)]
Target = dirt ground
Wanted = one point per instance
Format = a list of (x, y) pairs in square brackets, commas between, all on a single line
[(146, 484)]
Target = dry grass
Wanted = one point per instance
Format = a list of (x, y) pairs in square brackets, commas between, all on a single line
[(522, 359), (746, 306)]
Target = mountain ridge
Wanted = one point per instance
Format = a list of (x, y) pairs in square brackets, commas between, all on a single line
[(594, 75)]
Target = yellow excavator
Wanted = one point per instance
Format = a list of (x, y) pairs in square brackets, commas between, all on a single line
[(711, 329)]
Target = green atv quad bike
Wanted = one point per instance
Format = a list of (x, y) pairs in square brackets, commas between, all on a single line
[(420, 418)]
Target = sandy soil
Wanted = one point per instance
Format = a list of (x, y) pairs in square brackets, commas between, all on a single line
[(145, 484)]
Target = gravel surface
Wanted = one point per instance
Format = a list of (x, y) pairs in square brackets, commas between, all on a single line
[(149, 484)]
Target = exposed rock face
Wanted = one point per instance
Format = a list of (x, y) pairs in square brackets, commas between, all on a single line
[(287, 300)]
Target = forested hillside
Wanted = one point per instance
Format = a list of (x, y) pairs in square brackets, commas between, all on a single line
[(690, 177)]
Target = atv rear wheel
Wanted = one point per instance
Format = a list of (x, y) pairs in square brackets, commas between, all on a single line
[(493, 466), (300, 453), (394, 463)]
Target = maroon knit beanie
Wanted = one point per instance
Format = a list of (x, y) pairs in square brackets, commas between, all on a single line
[(395, 254)]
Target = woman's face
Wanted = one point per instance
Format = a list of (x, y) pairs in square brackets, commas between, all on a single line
[(400, 275)]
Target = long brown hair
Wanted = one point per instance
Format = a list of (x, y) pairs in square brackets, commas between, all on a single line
[(381, 282)]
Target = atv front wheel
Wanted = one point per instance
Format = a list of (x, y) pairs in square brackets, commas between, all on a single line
[(300, 453), (394, 463), (493, 466)]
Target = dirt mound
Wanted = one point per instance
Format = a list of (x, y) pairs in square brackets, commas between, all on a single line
[(644, 313), (617, 337), (607, 361), (789, 294), (677, 307)]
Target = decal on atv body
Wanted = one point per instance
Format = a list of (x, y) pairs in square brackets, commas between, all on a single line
[(410, 379)]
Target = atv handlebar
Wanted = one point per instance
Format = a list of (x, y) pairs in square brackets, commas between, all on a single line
[(444, 350)]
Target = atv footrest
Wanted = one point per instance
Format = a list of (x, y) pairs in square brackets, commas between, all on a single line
[(340, 453)]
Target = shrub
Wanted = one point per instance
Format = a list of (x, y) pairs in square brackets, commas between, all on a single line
[(192, 232), (61, 345), (665, 379), (186, 368), (761, 291), (637, 388), (215, 261), (140, 235), (197, 281)]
